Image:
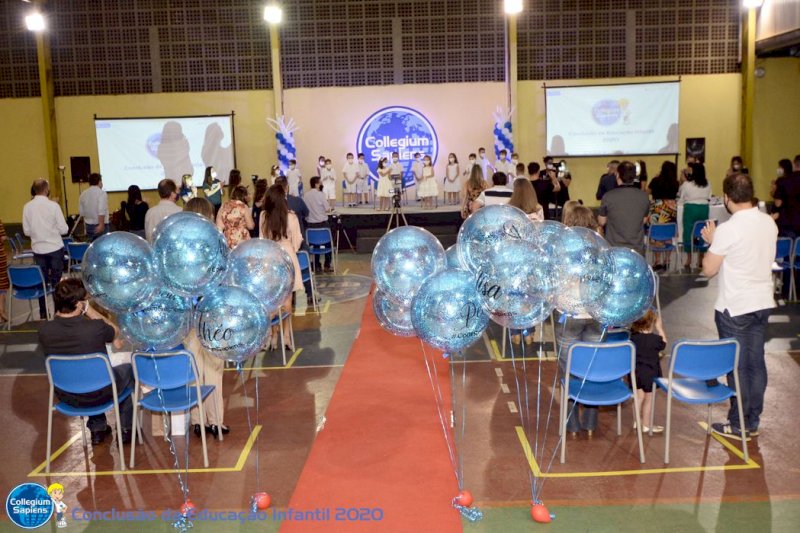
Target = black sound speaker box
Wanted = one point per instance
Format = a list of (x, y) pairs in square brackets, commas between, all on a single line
[(81, 167)]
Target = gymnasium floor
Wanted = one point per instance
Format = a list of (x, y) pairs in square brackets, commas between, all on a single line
[(602, 486)]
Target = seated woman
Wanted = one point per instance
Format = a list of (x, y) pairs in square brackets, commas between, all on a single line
[(279, 224)]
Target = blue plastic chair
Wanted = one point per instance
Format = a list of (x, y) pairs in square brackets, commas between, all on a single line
[(75, 252), (666, 233), (307, 274), (783, 261), (698, 244), (696, 362), (795, 268), (618, 335), (79, 374), (21, 244), (17, 253), (320, 242), (172, 376), (595, 377), (277, 320), (27, 283)]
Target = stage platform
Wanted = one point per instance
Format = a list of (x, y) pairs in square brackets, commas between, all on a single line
[(365, 225)]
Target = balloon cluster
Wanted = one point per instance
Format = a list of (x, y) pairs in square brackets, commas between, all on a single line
[(188, 278), (506, 268)]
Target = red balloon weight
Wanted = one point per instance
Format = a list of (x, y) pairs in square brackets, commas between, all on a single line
[(540, 514), (464, 498), (188, 508), (262, 500)]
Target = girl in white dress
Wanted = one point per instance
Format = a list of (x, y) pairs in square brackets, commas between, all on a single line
[(384, 184), (452, 181), (429, 189)]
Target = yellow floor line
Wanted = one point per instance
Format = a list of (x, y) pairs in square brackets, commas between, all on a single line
[(534, 466), (19, 331), (55, 454), (237, 468), (326, 307), (728, 444), (496, 349), (294, 358), (346, 270)]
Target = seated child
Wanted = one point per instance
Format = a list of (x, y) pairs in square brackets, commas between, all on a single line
[(647, 334)]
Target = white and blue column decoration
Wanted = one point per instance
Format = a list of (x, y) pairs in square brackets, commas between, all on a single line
[(284, 137), (503, 135)]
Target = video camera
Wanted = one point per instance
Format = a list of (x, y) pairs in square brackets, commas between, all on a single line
[(396, 190)]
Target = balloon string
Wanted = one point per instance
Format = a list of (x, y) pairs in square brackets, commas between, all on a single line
[(462, 419), (538, 400), (247, 411), (519, 402), (437, 394), (574, 405), (557, 347)]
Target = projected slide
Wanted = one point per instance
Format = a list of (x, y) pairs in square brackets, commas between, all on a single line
[(143, 151), (613, 119)]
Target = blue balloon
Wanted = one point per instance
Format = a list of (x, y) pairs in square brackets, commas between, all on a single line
[(402, 259), (631, 291), (447, 311), (393, 317), (162, 325), (231, 323), (585, 270), (262, 267), (452, 258), (119, 273), (191, 253), (518, 284), (489, 227), (547, 235)]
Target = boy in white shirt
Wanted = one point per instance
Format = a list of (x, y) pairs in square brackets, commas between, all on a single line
[(396, 171), (328, 176), (504, 165), (294, 177), (362, 182), (486, 167), (350, 175)]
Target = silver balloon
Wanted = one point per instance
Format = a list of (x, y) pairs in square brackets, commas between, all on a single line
[(392, 316), (585, 270), (191, 254), (453, 259), (403, 259), (162, 325), (631, 291), (487, 228), (264, 268), (119, 273)]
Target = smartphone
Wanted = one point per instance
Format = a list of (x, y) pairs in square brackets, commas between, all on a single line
[(254, 177)]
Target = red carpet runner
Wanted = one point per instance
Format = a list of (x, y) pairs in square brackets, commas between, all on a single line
[(382, 447)]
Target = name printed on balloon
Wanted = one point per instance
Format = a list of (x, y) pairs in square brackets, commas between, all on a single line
[(512, 230), (487, 289), (212, 333), (469, 312)]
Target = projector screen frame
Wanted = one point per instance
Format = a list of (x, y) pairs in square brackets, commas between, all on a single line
[(545, 86), (232, 116)]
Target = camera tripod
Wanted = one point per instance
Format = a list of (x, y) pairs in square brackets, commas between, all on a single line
[(395, 215)]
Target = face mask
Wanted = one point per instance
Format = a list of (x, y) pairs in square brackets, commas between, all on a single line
[(213, 175), (515, 160), (322, 162), (482, 155), (427, 163), (189, 182), (780, 172), (549, 166), (737, 166), (471, 161), (452, 160), (395, 160), (728, 209), (360, 161), (349, 160), (291, 167), (328, 167)]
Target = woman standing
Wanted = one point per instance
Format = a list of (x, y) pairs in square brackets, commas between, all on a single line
[(384, 184), (234, 180), (693, 195), (4, 283), (135, 210), (472, 189), (279, 224), (258, 203), (524, 198), (235, 219), (663, 209), (212, 188)]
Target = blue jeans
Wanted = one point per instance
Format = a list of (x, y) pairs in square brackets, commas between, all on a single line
[(91, 231), (52, 266), (750, 330)]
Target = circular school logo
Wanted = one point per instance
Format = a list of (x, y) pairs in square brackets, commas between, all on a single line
[(606, 112), (397, 129), (29, 506)]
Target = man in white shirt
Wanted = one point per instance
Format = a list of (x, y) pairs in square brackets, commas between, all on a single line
[(742, 251), (362, 183), (43, 222), (294, 178), (350, 175), (497, 195), (94, 207), (168, 192), (486, 167), (317, 204)]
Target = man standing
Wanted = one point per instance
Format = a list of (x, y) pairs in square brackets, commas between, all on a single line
[(741, 252), (78, 329), (608, 180), (43, 222), (94, 207), (168, 192), (317, 216), (624, 210), (546, 186)]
